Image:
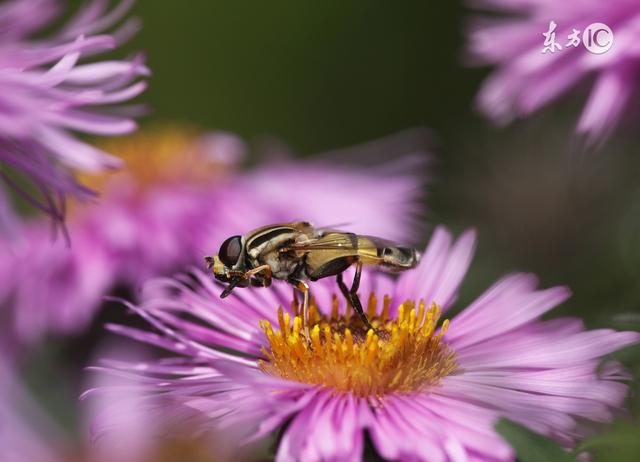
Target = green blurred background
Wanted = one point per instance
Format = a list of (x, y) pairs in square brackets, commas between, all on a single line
[(316, 74), (325, 74)]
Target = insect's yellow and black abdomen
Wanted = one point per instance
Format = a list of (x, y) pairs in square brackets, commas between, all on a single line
[(386, 255), (399, 258)]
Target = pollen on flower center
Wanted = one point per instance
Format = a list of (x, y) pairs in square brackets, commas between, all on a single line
[(403, 355)]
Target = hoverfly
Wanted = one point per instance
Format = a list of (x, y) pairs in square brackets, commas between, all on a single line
[(297, 252)]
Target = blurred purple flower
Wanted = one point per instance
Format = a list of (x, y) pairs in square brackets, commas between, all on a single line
[(26, 431), (422, 392), (29, 434), (47, 92), (527, 79), (179, 198)]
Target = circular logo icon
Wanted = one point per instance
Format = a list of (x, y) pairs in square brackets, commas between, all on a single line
[(597, 38)]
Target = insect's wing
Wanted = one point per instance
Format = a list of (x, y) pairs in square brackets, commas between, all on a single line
[(377, 242), (369, 249), (333, 228), (340, 240), (331, 241)]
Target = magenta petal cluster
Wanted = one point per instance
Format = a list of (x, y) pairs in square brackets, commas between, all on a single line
[(526, 79), (546, 375), (49, 91)]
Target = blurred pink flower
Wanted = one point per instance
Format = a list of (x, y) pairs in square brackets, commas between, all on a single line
[(48, 91), (179, 198), (422, 392), (29, 434), (527, 79)]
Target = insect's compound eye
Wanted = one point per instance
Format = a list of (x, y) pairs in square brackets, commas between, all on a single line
[(230, 251)]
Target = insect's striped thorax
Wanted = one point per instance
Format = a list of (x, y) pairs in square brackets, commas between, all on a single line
[(264, 245)]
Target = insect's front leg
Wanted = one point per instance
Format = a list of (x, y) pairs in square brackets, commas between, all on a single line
[(266, 271), (304, 288), (352, 295)]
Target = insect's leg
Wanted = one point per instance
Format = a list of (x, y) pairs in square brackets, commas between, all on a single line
[(265, 269), (352, 295), (304, 288), (343, 288), (295, 298), (355, 301)]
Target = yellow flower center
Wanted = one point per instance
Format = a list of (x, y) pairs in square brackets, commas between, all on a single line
[(157, 156), (402, 355)]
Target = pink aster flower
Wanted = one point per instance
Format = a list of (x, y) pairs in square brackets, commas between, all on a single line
[(527, 79), (181, 196), (421, 389), (48, 91)]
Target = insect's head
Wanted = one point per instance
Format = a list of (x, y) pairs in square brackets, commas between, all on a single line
[(225, 265)]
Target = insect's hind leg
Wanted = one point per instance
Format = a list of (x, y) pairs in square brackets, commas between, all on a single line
[(343, 288), (352, 295)]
